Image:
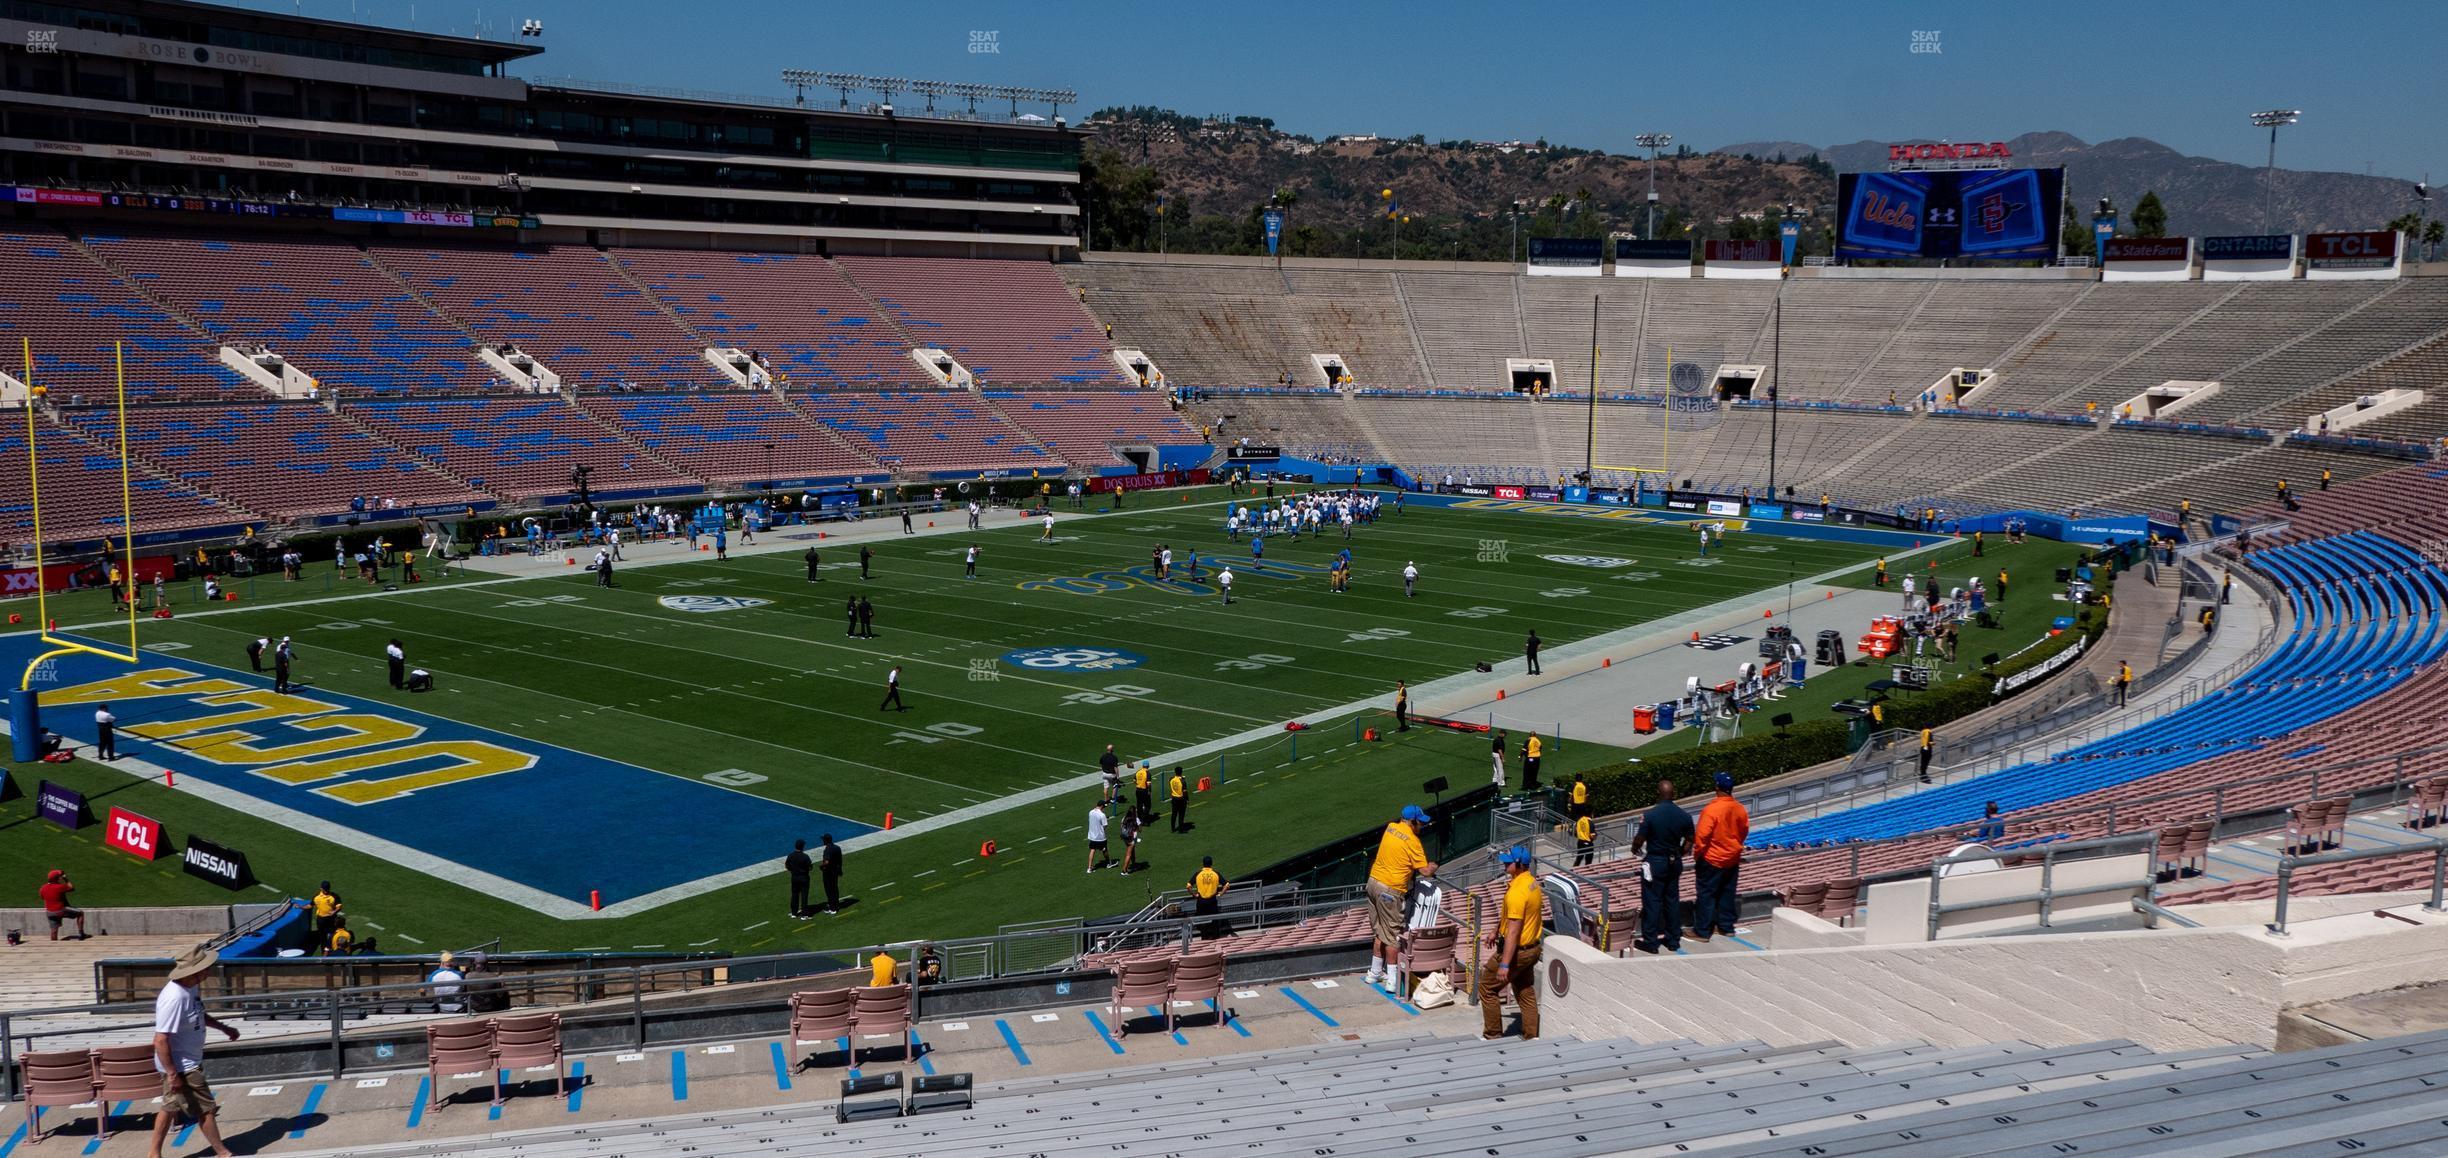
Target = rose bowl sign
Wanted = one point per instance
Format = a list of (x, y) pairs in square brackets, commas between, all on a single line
[(1968, 151)]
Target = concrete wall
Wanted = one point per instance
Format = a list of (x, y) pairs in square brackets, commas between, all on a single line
[(206, 921), (2167, 989)]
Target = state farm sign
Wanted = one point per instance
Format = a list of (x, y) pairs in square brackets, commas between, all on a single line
[(1968, 151)]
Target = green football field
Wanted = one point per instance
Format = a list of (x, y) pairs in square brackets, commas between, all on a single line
[(737, 678)]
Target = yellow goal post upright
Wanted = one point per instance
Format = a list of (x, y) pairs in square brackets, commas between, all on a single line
[(1687, 404), (25, 713)]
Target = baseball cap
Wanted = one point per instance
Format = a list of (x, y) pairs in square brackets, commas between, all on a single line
[(1415, 814), (1514, 855), (1725, 782)]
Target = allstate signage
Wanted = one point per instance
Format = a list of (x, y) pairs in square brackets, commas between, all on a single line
[(1074, 658)]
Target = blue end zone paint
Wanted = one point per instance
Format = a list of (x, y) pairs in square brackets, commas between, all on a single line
[(848, 1054), (782, 1067), (624, 841), (679, 1075), (1227, 1018), (416, 1111), (925, 1064), (501, 1084), (1399, 1003), (1314, 1011), (314, 1098), (1013, 1041), (94, 1144), (1098, 1024), (577, 1085)]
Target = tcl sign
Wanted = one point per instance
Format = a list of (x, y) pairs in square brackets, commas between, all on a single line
[(137, 836), (2370, 248), (1969, 151)]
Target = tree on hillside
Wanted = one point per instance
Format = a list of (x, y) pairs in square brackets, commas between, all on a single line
[(2078, 240), (1120, 200), (2149, 216)]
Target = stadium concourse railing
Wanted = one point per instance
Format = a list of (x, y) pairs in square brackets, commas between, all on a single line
[(2287, 866), (1888, 766), (622, 992)]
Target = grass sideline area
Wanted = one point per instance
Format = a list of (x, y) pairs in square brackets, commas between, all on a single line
[(772, 703)]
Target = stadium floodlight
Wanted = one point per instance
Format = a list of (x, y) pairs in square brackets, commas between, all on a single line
[(932, 89), (1652, 142), (2273, 120), (970, 91)]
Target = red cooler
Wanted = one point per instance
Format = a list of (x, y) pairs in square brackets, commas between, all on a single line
[(1644, 719)]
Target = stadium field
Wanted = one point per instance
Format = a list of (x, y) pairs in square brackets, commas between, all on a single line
[(654, 747)]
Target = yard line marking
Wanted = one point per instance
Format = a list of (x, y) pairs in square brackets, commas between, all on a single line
[(755, 927), (1012, 1040), (1314, 1011), (927, 873), (704, 943)]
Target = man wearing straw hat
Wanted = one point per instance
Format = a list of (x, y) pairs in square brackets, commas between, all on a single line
[(179, 1022)]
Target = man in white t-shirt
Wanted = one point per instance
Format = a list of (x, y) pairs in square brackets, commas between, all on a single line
[(179, 1022), (1410, 580), (1096, 837), (1048, 536), (1224, 584), (446, 979)]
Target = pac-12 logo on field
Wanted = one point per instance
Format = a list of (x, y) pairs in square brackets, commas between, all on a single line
[(1074, 659), (701, 604), (1588, 560)]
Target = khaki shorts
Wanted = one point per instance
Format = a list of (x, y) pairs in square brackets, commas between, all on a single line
[(188, 1094), (1385, 913)]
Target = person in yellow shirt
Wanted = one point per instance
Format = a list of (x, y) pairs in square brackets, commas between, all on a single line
[(1206, 885), (1400, 860), (1512, 962), (1585, 836), (327, 906), (1531, 748), (1178, 790), (1929, 747), (1580, 794), (1143, 787), (341, 942), (883, 965)]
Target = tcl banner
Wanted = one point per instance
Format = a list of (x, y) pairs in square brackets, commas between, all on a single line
[(1727, 250), (137, 836), (1509, 492), (2367, 249), (2147, 249)]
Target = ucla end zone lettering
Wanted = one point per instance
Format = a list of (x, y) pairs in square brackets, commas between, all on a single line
[(464, 803)]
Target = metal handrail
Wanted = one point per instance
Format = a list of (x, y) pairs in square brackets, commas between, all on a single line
[(2047, 896), (2436, 846)]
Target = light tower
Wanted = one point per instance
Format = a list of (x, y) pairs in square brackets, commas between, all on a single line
[(1652, 142), (2272, 119)]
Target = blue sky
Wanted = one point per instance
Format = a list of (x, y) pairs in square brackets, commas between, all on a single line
[(2184, 72)]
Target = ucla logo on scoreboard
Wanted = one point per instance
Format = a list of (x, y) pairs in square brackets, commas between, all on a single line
[(1604, 561), (1074, 658), (702, 604)]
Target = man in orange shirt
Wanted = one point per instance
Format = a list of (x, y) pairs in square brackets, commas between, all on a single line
[(1717, 846), (1400, 859)]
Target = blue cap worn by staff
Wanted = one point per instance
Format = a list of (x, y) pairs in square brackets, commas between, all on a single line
[(1415, 814), (1725, 782), (1516, 855)]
